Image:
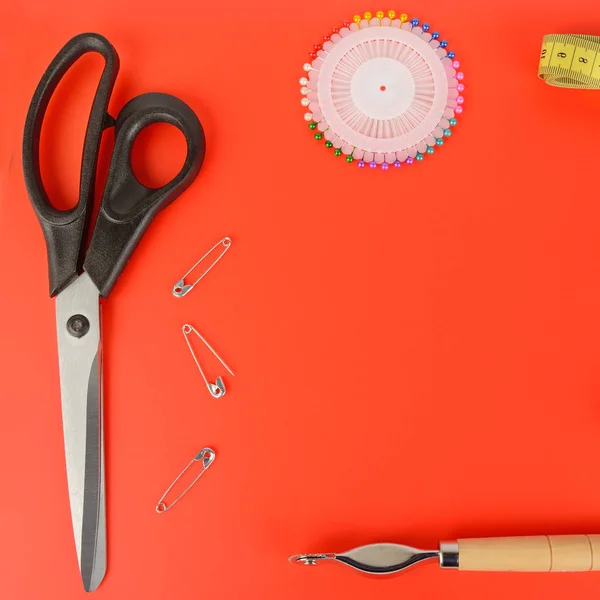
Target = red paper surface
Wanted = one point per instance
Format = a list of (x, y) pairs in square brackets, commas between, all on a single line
[(416, 352)]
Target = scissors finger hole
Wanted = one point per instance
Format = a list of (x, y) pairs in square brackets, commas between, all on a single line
[(158, 154), (64, 128)]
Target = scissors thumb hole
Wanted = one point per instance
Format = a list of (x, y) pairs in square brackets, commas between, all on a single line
[(158, 154)]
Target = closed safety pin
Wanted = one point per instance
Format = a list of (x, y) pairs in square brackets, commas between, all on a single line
[(216, 389), (207, 456), (180, 289)]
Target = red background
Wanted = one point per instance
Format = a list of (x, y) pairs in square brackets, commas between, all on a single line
[(417, 353)]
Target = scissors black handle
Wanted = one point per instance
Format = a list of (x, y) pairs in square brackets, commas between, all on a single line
[(127, 206), (66, 230)]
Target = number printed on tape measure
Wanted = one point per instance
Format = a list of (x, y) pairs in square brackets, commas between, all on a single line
[(546, 54), (583, 61), (562, 55)]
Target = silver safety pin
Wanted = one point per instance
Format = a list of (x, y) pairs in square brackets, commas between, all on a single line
[(216, 389), (180, 289), (207, 456)]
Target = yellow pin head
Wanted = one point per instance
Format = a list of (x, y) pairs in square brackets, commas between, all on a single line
[(368, 16), (380, 14), (392, 14), (357, 18)]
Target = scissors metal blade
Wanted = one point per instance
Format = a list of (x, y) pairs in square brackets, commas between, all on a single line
[(80, 361)]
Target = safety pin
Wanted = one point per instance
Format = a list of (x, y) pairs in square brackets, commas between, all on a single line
[(180, 289), (216, 389), (207, 456)]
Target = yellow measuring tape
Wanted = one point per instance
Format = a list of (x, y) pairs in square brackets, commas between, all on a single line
[(571, 60)]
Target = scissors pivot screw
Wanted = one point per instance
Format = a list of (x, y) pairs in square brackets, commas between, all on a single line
[(78, 325)]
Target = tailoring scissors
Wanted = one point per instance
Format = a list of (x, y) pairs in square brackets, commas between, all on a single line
[(79, 278)]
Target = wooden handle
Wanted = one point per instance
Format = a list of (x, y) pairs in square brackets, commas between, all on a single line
[(541, 553)]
